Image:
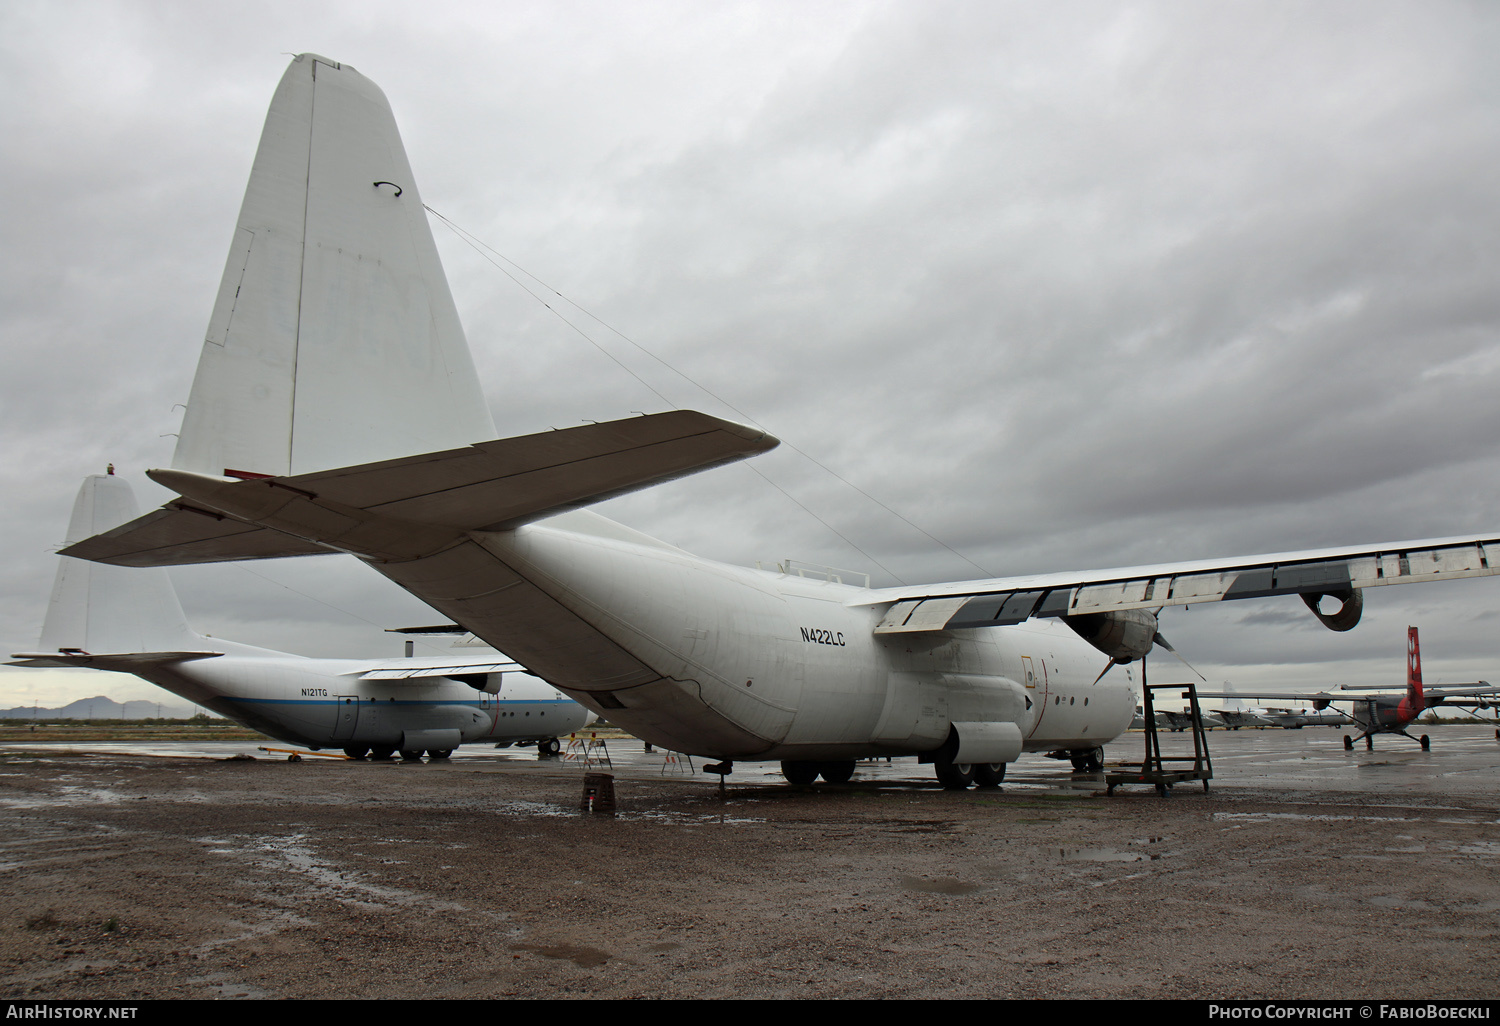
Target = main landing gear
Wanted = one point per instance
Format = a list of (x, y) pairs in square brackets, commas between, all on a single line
[(409, 754), (806, 772), (1369, 739), (1087, 760)]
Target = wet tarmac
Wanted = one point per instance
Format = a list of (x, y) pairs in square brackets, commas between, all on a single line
[(1463, 759), (177, 870)]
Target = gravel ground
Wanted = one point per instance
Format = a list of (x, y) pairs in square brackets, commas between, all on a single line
[(127, 877)]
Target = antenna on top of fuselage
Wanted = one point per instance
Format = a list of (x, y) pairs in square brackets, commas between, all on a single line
[(334, 339)]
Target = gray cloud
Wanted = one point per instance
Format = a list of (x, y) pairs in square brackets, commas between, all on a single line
[(1068, 286)]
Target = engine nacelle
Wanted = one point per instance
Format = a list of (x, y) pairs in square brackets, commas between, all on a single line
[(1347, 614), (1122, 634)]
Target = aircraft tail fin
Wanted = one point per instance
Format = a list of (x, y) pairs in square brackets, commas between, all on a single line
[(334, 340), (1413, 668), (96, 608)]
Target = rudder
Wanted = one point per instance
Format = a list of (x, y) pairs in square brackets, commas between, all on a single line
[(99, 608), (334, 339)]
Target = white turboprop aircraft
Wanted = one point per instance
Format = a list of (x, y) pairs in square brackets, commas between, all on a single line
[(108, 618), (336, 409), (1236, 714)]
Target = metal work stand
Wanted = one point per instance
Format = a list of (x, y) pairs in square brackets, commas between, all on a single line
[(1153, 769)]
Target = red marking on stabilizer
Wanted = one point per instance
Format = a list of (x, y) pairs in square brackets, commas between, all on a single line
[(246, 475), (1412, 705), (1413, 660)]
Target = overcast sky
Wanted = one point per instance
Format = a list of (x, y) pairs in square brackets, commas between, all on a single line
[(1065, 285)]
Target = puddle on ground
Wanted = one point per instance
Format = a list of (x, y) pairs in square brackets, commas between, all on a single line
[(938, 885), (578, 954), (1386, 901), (1100, 855), (277, 853)]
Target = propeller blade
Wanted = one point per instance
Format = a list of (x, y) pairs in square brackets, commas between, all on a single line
[(1166, 645), (1107, 667)]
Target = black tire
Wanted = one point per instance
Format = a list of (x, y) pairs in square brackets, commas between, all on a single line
[(439, 753), (1426, 745), (989, 774), (837, 772), (798, 772), (1348, 743), (356, 753), (411, 754), (550, 746), (1089, 760), (382, 753), (954, 776)]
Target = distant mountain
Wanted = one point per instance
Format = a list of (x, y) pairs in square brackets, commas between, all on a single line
[(102, 708)]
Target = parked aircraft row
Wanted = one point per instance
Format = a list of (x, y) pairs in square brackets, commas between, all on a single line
[(1387, 712), (336, 410)]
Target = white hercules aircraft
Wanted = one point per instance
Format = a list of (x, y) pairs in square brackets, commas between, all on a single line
[(109, 618), (336, 409)]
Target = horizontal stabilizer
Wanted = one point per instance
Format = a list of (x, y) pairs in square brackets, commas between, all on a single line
[(410, 507), (179, 534), (127, 662)]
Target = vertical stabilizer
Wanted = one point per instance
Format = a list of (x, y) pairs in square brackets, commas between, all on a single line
[(334, 339), (1413, 668), (1232, 701), (99, 608)]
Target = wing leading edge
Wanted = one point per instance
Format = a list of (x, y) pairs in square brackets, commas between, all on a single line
[(1010, 600)]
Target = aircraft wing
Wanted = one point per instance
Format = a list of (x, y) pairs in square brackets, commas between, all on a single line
[(1301, 696), (1358, 693), (1010, 600), (401, 669)]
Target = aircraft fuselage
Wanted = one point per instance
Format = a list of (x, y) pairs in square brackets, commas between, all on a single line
[(322, 703), (739, 663)]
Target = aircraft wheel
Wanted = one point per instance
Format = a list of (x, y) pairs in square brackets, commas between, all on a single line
[(382, 753), (1089, 760), (439, 753), (1369, 742), (797, 772), (1162, 790), (989, 774), (837, 772), (1348, 743), (356, 753), (411, 754), (549, 746), (1426, 745), (955, 776)]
